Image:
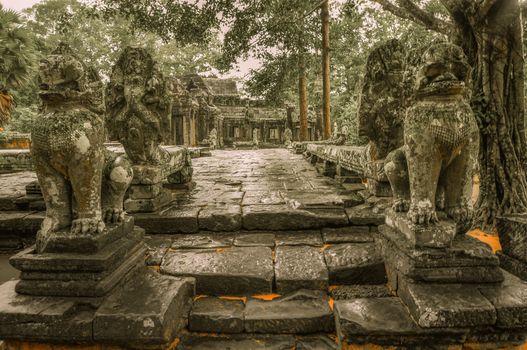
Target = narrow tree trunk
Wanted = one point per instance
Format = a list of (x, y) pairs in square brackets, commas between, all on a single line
[(302, 94), (326, 88), (493, 45)]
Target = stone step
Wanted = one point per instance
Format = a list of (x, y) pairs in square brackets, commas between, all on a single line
[(266, 262), (194, 341), (301, 312)]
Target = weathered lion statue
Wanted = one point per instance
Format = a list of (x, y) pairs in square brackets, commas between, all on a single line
[(72, 165), (433, 170)]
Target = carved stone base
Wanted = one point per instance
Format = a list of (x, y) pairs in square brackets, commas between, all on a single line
[(65, 241), (146, 312), (513, 236), (466, 261), (148, 205), (75, 274), (438, 235)]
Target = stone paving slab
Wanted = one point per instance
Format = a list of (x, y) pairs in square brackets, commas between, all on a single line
[(348, 234), (220, 218), (510, 301), (148, 309), (255, 239), (299, 238), (386, 321), (215, 315), (447, 305), (236, 342), (203, 240), (284, 217), (223, 271), (33, 318), (355, 263), (302, 312), (300, 267)]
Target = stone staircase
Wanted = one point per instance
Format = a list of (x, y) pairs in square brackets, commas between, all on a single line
[(269, 289)]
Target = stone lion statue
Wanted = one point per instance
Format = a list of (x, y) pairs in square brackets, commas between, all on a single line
[(70, 159), (433, 170)]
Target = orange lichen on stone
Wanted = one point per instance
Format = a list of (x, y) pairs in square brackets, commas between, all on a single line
[(220, 250), (491, 240), (491, 346), (155, 267), (174, 344), (266, 297), (324, 247), (226, 297), (332, 288), (197, 297), (331, 303)]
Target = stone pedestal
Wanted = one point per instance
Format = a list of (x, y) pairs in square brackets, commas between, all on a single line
[(438, 235), (92, 290), (149, 191)]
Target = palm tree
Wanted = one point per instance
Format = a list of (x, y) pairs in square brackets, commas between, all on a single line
[(17, 58)]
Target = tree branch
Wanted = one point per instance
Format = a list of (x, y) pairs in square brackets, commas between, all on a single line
[(426, 18), (410, 11), (485, 6)]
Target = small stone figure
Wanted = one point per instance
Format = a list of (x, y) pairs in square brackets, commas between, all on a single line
[(441, 141), (70, 159), (213, 139), (256, 142), (288, 137)]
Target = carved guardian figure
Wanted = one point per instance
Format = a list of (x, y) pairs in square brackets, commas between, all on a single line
[(433, 170), (139, 106), (71, 163)]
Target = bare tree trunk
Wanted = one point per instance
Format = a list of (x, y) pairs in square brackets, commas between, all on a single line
[(493, 44), (326, 88)]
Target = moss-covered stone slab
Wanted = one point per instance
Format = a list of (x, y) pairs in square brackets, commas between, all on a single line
[(300, 267)]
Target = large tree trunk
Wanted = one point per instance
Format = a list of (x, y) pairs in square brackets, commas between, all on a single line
[(492, 39), (326, 103), (302, 97)]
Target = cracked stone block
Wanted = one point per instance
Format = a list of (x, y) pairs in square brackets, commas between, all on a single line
[(283, 217), (364, 214), (223, 271), (149, 309), (359, 291), (255, 239), (447, 305), (203, 240), (311, 238), (355, 263), (305, 311), (321, 342), (220, 218), (157, 245), (237, 342), (386, 321), (173, 219), (32, 318), (300, 267), (348, 234), (510, 301), (215, 315)]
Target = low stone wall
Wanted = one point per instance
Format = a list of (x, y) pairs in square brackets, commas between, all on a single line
[(15, 160)]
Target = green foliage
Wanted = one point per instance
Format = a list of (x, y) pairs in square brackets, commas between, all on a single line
[(17, 53), (23, 118)]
